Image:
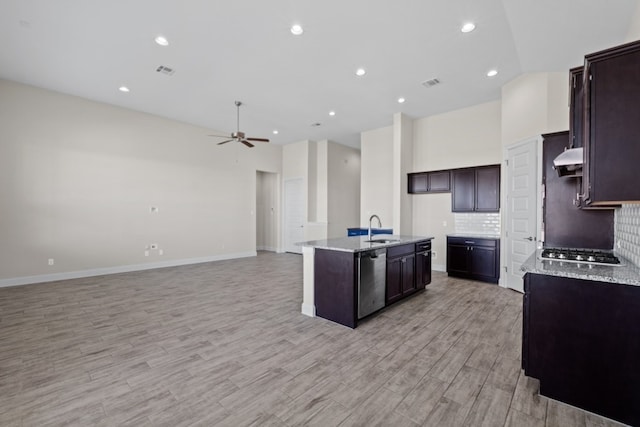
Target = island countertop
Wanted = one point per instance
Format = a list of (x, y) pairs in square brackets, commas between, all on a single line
[(626, 274), (359, 243)]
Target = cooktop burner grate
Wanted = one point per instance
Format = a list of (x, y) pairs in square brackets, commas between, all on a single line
[(590, 256)]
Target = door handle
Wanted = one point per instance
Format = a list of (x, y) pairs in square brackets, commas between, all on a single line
[(530, 238)]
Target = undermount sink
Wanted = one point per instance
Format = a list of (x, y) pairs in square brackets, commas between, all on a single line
[(382, 240)]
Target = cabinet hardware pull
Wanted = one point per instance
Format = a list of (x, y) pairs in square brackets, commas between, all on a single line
[(471, 242)]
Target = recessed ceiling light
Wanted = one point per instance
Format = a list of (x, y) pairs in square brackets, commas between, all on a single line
[(468, 27), (296, 29), (332, 113), (361, 72), (275, 131), (401, 100), (162, 41), (124, 89), (492, 73)]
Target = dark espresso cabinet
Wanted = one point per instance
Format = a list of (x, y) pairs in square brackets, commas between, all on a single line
[(580, 339), (429, 182), (401, 262), (474, 258), (476, 189), (611, 137)]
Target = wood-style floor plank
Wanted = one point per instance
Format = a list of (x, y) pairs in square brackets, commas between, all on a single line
[(224, 343)]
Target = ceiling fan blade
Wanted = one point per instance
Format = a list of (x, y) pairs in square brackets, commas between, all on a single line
[(224, 142), (257, 139), (220, 136), (247, 143)]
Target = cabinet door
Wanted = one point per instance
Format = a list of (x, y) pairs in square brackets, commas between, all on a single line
[(483, 261), (457, 259), (440, 182), (612, 128), (408, 274), (488, 189), (576, 106), (463, 190), (394, 279), (418, 182), (423, 269)]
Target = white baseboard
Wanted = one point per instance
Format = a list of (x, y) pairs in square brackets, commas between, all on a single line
[(309, 310), (27, 280), (267, 248), (439, 267)]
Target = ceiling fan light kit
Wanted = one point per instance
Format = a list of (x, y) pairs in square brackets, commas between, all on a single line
[(239, 136)]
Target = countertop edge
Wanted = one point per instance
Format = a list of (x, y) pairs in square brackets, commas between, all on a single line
[(355, 244), (627, 274)]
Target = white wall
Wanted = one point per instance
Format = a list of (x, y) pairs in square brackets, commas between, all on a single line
[(376, 182), (634, 29), (343, 189), (466, 137), (78, 178), (533, 104)]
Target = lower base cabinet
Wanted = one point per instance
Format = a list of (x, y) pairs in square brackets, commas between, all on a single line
[(401, 261), (474, 258), (580, 339), (408, 269)]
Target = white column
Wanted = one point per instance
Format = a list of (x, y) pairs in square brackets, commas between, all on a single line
[(308, 288)]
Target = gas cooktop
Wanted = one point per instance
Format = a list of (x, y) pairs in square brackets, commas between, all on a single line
[(589, 256)]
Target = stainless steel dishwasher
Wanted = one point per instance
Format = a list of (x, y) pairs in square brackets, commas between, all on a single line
[(372, 270)]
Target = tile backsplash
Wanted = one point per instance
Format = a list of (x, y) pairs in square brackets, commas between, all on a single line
[(627, 232), (477, 223)]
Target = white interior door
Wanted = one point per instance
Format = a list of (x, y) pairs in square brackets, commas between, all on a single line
[(522, 215), (293, 214)]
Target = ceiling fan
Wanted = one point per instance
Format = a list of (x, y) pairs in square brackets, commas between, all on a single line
[(239, 136)]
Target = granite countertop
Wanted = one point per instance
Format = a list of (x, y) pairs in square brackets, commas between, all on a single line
[(475, 235), (359, 243), (626, 274)]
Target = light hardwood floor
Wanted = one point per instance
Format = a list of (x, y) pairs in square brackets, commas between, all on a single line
[(224, 343)]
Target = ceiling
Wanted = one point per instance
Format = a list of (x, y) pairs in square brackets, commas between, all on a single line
[(223, 51)]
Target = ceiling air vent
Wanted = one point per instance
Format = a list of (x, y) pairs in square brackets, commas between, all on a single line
[(431, 83), (165, 70)]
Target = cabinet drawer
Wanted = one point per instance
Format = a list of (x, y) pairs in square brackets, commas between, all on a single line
[(423, 246), (396, 251), (472, 241)]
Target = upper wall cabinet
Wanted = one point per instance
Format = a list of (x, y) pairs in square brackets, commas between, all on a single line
[(476, 189), (429, 182), (612, 126)]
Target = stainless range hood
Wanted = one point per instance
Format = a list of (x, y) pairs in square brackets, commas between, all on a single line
[(569, 163)]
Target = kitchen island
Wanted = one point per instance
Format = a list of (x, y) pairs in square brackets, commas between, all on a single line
[(348, 278), (580, 334)]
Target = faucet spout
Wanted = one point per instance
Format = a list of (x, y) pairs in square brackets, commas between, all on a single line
[(371, 219)]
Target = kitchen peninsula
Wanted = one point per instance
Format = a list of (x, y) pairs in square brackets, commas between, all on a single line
[(348, 278)]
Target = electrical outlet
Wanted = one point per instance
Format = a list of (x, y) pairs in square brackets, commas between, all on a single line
[(146, 253), (444, 223), (434, 254), (153, 246), (160, 252), (51, 261)]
